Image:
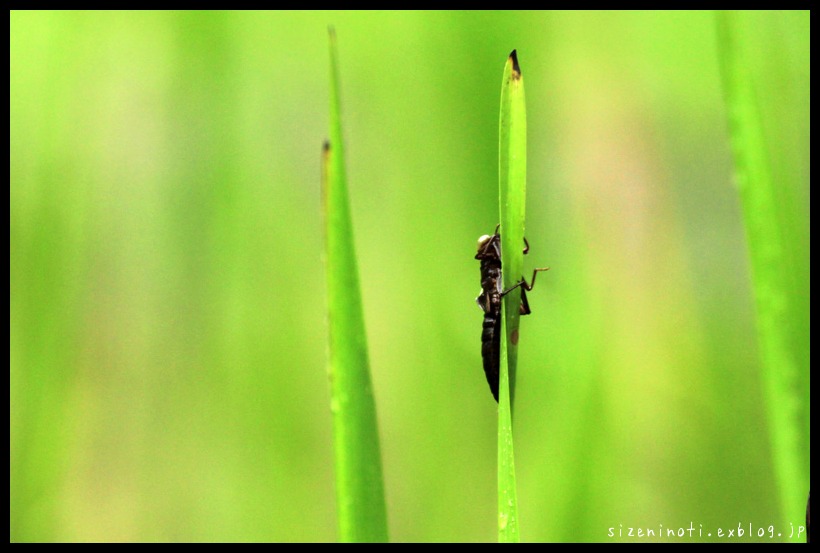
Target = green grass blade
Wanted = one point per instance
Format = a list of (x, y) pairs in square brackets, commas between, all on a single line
[(785, 370), (359, 483), (512, 196)]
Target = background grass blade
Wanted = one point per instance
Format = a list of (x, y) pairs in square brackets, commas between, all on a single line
[(359, 484), (512, 196), (772, 219)]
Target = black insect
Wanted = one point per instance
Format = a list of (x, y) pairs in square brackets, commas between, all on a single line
[(492, 290)]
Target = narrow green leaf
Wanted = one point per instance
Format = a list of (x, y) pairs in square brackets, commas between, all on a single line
[(359, 485), (512, 197), (767, 219)]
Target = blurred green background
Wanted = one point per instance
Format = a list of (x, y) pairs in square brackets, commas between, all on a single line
[(167, 297)]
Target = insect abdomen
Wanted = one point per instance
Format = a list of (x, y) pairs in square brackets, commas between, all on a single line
[(490, 349)]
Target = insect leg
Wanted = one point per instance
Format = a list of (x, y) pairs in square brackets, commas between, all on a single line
[(523, 282), (525, 305), (524, 309), (532, 281)]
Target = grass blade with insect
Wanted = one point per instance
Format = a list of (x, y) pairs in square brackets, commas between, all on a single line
[(512, 197)]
